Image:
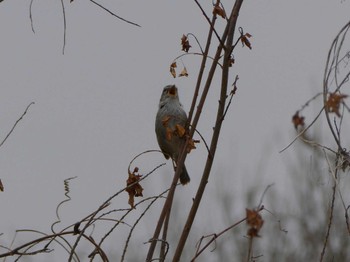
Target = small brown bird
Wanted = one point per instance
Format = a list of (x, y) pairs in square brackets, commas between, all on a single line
[(170, 117)]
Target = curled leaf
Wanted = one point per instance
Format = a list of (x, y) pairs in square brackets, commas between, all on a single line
[(183, 72), (185, 43), (133, 188), (191, 145), (245, 41), (298, 120), (219, 11), (172, 69)]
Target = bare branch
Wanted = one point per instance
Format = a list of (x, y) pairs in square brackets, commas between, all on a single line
[(14, 126), (30, 15), (107, 10), (217, 235), (64, 26)]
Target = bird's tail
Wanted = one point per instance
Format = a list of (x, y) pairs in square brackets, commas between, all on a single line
[(184, 177)]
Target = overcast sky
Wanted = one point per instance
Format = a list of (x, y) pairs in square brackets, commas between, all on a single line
[(95, 105)]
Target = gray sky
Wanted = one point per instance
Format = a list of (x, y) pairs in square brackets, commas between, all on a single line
[(95, 106)]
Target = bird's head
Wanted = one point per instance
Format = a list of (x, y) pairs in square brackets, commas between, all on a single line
[(169, 94)]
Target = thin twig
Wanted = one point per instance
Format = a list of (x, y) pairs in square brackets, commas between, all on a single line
[(117, 16), (16, 251), (133, 227), (263, 194), (205, 142), (66, 248), (129, 210), (331, 212), (347, 219), (201, 71), (165, 245), (195, 53), (232, 93), (195, 38), (13, 127), (216, 236), (210, 23), (302, 132), (30, 15), (105, 204), (64, 26), (250, 247)]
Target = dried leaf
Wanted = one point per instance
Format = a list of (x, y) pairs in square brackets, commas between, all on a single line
[(245, 41), (172, 69), (191, 145), (76, 229), (219, 11), (1, 186), (254, 221), (333, 103), (185, 43), (234, 90), (253, 232), (134, 189), (298, 120), (183, 72)]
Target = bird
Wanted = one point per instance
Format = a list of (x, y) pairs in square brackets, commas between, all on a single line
[(170, 127)]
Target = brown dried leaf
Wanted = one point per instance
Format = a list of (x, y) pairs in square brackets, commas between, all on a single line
[(185, 43), (254, 221), (298, 120), (134, 189), (172, 69), (191, 145), (1, 186), (219, 11), (183, 72), (253, 232), (245, 41), (333, 103), (76, 229)]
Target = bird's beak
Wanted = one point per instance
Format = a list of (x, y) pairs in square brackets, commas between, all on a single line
[(172, 90)]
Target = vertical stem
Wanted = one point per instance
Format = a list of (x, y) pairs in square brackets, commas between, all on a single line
[(230, 28), (202, 67), (164, 236), (331, 211), (250, 248)]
